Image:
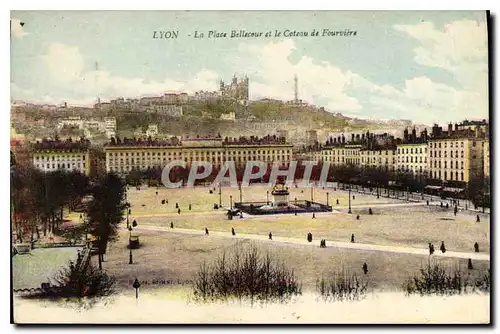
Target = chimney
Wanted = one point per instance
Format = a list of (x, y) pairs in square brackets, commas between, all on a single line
[(405, 134), (450, 129), (413, 134), (456, 127)]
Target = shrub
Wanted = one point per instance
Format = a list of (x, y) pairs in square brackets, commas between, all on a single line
[(341, 286), (246, 275), (434, 279), (483, 283), (82, 282)]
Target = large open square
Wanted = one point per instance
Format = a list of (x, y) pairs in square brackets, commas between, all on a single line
[(393, 222), (393, 241)]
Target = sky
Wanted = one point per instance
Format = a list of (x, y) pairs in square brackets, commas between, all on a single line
[(429, 67)]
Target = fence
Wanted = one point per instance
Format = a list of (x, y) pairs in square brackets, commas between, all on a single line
[(300, 206)]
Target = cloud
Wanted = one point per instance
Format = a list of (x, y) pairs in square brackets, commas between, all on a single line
[(461, 48), (421, 99), (17, 30), (271, 67), (69, 80), (272, 75)]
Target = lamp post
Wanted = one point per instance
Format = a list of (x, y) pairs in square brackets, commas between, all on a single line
[(241, 194), (327, 199), (231, 202), (130, 260), (312, 193), (128, 213), (267, 196), (350, 211), (220, 195)]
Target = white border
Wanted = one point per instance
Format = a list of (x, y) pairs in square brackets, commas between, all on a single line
[(186, 5)]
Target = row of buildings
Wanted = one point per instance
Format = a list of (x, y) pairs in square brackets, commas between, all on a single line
[(171, 104), (456, 154), (105, 125)]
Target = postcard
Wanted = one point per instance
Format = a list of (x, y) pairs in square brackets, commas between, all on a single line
[(260, 167)]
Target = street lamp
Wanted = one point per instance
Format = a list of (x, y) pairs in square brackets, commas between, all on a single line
[(130, 260), (220, 195), (241, 194), (312, 193), (327, 199), (231, 202), (350, 211), (267, 196)]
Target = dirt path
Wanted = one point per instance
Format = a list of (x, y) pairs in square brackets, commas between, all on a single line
[(329, 244)]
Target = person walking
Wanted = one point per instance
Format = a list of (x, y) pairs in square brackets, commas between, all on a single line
[(270, 236), (352, 238), (443, 248), (171, 224), (232, 231), (206, 230), (431, 249), (365, 268)]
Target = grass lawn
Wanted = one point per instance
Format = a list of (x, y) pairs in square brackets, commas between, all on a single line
[(413, 226), (166, 256), (145, 201)]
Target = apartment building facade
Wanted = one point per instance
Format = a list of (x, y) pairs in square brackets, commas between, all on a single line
[(412, 157), (124, 159)]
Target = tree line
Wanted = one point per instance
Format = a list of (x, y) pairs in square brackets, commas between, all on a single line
[(39, 200)]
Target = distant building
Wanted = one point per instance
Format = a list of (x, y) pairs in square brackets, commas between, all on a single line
[(311, 137), (412, 157), (71, 121), (383, 157), (152, 130), (456, 155), (231, 116), (50, 155), (166, 109), (486, 157), (282, 134), (237, 90), (110, 126), (125, 157)]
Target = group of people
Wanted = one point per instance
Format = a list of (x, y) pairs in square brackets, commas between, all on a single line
[(431, 248)]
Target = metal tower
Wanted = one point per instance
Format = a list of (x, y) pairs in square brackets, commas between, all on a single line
[(296, 88)]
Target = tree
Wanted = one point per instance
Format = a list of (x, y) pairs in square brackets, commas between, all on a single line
[(106, 211)]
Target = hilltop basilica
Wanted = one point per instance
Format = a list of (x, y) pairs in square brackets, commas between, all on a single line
[(237, 90)]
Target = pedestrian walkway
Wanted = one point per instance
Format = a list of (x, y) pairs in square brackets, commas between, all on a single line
[(329, 244)]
